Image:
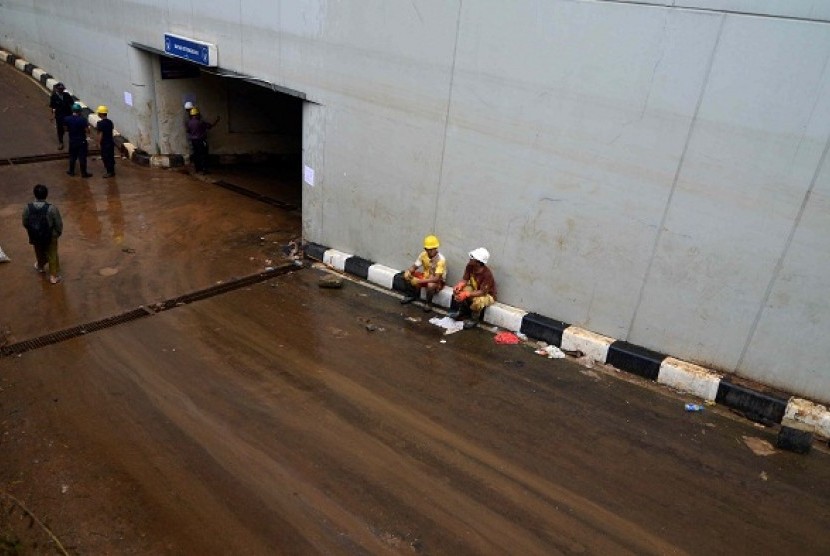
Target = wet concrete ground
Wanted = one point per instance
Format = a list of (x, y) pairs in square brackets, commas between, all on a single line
[(269, 420)]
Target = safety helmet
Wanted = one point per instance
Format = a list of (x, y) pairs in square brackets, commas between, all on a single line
[(431, 242), (76, 107), (194, 111), (481, 254), (102, 110), (188, 105)]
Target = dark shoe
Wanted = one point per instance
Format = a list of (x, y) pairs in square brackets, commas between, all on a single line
[(462, 312), (468, 324), (407, 299), (108, 175), (87, 175), (70, 173)]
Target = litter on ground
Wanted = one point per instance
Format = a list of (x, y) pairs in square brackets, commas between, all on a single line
[(506, 338), (552, 352), (450, 325), (759, 446), (330, 282)]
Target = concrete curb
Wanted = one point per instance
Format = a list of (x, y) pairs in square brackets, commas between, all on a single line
[(128, 150), (687, 377), (663, 369)]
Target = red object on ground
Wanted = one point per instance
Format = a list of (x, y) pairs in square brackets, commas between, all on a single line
[(506, 338)]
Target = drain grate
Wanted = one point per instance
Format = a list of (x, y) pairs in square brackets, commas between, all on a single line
[(39, 158), (254, 195), (74, 332), (225, 287), (135, 314)]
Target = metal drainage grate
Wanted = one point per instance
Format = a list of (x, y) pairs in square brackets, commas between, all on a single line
[(254, 195), (39, 158), (74, 332), (225, 287)]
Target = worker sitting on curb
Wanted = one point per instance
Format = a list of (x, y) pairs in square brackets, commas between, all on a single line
[(428, 271), (476, 290)]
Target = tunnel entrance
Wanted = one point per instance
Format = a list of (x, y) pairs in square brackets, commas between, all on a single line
[(256, 145)]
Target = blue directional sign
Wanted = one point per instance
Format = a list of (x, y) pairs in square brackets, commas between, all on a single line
[(198, 52)]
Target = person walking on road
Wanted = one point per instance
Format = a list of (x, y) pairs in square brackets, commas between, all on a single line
[(44, 225), (428, 271), (476, 290), (61, 104), (106, 143), (78, 129), (197, 135)]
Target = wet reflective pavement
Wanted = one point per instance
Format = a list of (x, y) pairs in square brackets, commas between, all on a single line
[(271, 420)]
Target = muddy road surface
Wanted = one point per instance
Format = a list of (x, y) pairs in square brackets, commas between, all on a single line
[(270, 420), (282, 418)]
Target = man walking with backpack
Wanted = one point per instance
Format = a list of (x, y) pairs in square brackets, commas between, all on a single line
[(44, 225)]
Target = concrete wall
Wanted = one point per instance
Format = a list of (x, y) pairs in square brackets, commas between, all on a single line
[(654, 171)]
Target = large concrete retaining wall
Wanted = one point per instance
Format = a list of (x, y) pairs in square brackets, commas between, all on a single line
[(653, 171)]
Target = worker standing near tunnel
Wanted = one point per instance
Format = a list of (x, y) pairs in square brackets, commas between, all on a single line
[(106, 143), (197, 130), (428, 271)]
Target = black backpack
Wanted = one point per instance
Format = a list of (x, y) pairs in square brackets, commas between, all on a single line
[(37, 224)]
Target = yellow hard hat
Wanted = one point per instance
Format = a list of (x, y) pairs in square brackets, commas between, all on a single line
[(431, 242), (102, 110), (194, 111)]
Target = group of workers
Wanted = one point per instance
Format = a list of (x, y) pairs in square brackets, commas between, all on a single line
[(472, 294), (66, 113)]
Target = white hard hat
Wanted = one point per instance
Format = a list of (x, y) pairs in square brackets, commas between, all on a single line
[(188, 105), (481, 254)]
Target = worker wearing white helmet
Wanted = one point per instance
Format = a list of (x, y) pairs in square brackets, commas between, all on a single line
[(476, 290)]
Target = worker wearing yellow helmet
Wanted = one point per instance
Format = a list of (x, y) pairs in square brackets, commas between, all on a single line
[(429, 271), (105, 127), (197, 130)]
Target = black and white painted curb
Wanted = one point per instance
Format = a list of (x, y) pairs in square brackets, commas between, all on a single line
[(797, 416), (128, 150)]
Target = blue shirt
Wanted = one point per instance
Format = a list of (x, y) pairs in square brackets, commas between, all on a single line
[(76, 127)]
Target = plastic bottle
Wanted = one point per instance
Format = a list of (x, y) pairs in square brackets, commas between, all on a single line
[(694, 407)]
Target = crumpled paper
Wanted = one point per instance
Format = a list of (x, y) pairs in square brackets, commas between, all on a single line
[(552, 352), (450, 325)]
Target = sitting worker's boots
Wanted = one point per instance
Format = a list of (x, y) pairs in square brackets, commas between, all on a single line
[(409, 295), (462, 312), (428, 304)]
